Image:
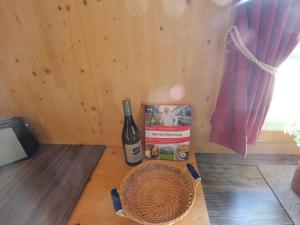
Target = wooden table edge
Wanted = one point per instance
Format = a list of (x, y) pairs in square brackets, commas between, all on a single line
[(95, 206)]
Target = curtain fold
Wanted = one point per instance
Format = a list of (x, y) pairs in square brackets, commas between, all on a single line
[(270, 29)]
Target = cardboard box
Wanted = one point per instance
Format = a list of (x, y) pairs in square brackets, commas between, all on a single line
[(167, 131)]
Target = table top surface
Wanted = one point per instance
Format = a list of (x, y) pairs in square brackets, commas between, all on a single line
[(95, 206)]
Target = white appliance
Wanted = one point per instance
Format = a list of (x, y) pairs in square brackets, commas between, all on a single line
[(16, 141)]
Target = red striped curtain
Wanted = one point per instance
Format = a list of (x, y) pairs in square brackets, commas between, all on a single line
[(270, 29)]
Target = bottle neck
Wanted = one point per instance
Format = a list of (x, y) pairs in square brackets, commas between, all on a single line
[(128, 118), (127, 108)]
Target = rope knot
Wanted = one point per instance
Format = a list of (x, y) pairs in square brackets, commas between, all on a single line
[(233, 34)]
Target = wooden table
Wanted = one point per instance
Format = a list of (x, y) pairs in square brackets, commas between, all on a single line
[(95, 205)]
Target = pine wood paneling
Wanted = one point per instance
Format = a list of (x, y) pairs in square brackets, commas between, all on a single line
[(65, 65), (275, 136)]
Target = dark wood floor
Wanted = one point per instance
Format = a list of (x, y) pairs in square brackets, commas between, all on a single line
[(45, 188), (236, 193)]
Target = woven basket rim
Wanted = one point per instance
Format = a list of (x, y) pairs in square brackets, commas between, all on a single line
[(171, 164)]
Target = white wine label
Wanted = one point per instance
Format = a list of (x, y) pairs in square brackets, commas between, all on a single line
[(134, 152)]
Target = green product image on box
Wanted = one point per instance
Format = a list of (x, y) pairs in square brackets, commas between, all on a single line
[(166, 153)]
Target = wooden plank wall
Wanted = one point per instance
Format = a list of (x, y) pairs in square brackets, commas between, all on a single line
[(65, 65)]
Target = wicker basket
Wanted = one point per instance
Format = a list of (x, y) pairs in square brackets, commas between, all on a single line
[(156, 192)]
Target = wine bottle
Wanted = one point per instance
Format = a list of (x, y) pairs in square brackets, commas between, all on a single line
[(131, 137)]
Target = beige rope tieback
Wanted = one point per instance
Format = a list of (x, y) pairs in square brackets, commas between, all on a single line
[(234, 35)]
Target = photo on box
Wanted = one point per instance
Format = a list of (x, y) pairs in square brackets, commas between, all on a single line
[(168, 115)]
